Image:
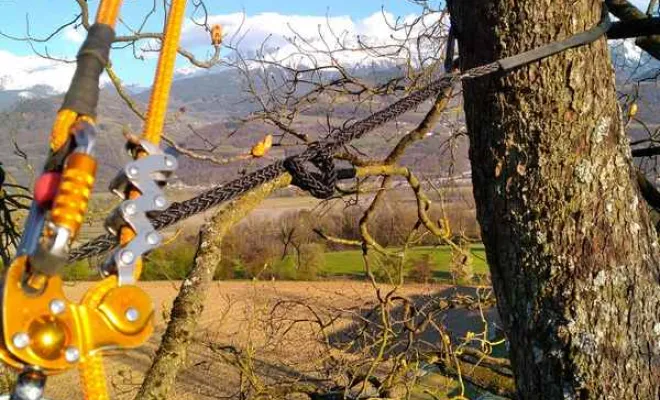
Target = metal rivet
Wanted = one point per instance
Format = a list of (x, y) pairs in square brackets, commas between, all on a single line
[(132, 314), (169, 162), (72, 354), (153, 238), (21, 340), (160, 201), (132, 172), (127, 256), (130, 208), (57, 306)]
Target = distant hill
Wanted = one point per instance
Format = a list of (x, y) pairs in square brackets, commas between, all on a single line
[(212, 103)]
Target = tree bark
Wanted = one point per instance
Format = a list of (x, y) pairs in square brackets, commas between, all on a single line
[(572, 251), (189, 304)]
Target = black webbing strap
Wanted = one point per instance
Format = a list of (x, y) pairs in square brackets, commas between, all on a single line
[(83, 94), (591, 35), (450, 62)]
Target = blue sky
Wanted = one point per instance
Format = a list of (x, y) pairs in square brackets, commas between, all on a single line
[(46, 15)]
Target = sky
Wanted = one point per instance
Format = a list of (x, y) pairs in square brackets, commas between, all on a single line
[(20, 68)]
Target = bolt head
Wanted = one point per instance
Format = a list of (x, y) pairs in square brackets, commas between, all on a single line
[(160, 202), (169, 162), (132, 172), (153, 238), (132, 314), (72, 354), (127, 257), (57, 306), (130, 208), (21, 340)]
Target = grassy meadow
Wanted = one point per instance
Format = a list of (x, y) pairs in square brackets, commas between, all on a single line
[(173, 263)]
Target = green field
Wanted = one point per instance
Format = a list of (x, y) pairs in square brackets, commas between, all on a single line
[(174, 262), (350, 263)]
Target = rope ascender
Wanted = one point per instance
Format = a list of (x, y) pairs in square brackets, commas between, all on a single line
[(43, 332)]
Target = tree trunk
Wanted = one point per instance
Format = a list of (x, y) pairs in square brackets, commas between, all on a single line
[(572, 251)]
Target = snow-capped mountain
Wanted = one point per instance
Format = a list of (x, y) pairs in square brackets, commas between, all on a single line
[(366, 44), (378, 41)]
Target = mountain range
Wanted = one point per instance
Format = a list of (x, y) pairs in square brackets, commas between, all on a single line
[(208, 106)]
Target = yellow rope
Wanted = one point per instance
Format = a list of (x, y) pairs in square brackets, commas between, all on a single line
[(164, 73), (91, 371), (160, 94), (108, 12), (92, 378)]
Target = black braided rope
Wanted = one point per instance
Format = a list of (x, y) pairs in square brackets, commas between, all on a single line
[(319, 184), (315, 154), (319, 153)]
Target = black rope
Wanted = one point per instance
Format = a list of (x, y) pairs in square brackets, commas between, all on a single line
[(319, 154), (222, 193), (319, 184)]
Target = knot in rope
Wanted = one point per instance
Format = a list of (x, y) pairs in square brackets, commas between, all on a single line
[(320, 183)]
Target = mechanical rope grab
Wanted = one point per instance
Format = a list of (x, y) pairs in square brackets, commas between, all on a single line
[(44, 333)]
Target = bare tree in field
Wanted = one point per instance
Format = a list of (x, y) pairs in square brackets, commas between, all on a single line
[(573, 254)]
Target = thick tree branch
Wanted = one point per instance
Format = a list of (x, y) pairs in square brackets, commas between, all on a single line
[(189, 303), (481, 377), (634, 28), (423, 201), (625, 11)]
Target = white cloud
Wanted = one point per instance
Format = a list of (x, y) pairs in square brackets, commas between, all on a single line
[(278, 37), (641, 4), (249, 32), (74, 35), (25, 72)]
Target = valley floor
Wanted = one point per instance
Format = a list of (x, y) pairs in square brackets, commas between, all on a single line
[(257, 315)]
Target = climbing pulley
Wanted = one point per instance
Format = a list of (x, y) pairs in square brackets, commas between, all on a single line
[(43, 332)]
